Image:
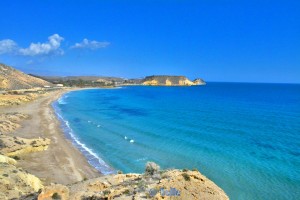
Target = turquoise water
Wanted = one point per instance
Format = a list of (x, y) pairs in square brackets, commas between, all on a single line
[(244, 137)]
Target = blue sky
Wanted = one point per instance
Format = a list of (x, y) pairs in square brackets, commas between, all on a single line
[(221, 40)]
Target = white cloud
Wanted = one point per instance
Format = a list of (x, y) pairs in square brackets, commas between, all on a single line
[(50, 47), (90, 44), (7, 46)]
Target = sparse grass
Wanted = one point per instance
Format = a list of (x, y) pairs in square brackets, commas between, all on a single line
[(18, 142), (126, 192), (5, 175), (186, 177), (195, 170), (120, 172), (16, 157), (106, 192), (185, 170)]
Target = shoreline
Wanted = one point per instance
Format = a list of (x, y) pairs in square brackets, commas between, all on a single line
[(92, 158), (62, 162), (63, 170)]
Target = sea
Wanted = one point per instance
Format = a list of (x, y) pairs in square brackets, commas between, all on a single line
[(245, 137)]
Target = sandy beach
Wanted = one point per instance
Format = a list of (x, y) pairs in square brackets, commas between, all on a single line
[(61, 162)]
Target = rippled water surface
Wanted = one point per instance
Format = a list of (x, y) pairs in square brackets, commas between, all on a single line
[(244, 137)]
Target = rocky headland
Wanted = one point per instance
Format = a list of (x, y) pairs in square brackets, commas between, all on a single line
[(170, 81)]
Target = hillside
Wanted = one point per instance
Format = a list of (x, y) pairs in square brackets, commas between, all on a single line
[(12, 79), (99, 81), (82, 81), (171, 81)]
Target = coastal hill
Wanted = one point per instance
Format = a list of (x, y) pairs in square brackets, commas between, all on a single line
[(82, 81), (12, 79), (100, 81), (171, 81)]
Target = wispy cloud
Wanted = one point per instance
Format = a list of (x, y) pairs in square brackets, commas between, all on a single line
[(52, 46), (90, 44), (8, 46)]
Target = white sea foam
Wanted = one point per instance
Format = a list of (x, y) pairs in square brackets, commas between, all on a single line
[(89, 153), (131, 141), (98, 125), (141, 159), (61, 101), (125, 137)]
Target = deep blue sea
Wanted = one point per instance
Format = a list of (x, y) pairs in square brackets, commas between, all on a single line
[(244, 137)]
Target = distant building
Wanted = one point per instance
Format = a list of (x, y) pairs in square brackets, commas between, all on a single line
[(59, 85), (46, 86)]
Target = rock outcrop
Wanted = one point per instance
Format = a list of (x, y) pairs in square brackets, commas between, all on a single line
[(170, 81), (15, 183), (180, 184), (13, 146), (12, 79), (11, 121), (183, 184), (9, 100), (199, 81), (54, 191)]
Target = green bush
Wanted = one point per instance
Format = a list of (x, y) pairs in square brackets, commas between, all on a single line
[(186, 177), (16, 157), (56, 196), (106, 192), (127, 192)]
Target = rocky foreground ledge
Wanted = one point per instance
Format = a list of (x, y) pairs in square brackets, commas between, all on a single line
[(153, 184)]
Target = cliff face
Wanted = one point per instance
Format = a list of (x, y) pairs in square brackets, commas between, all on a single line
[(12, 79), (171, 81)]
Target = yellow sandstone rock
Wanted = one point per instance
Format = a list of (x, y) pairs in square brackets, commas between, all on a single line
[(54, 191), (15, 182), (13, 146)]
